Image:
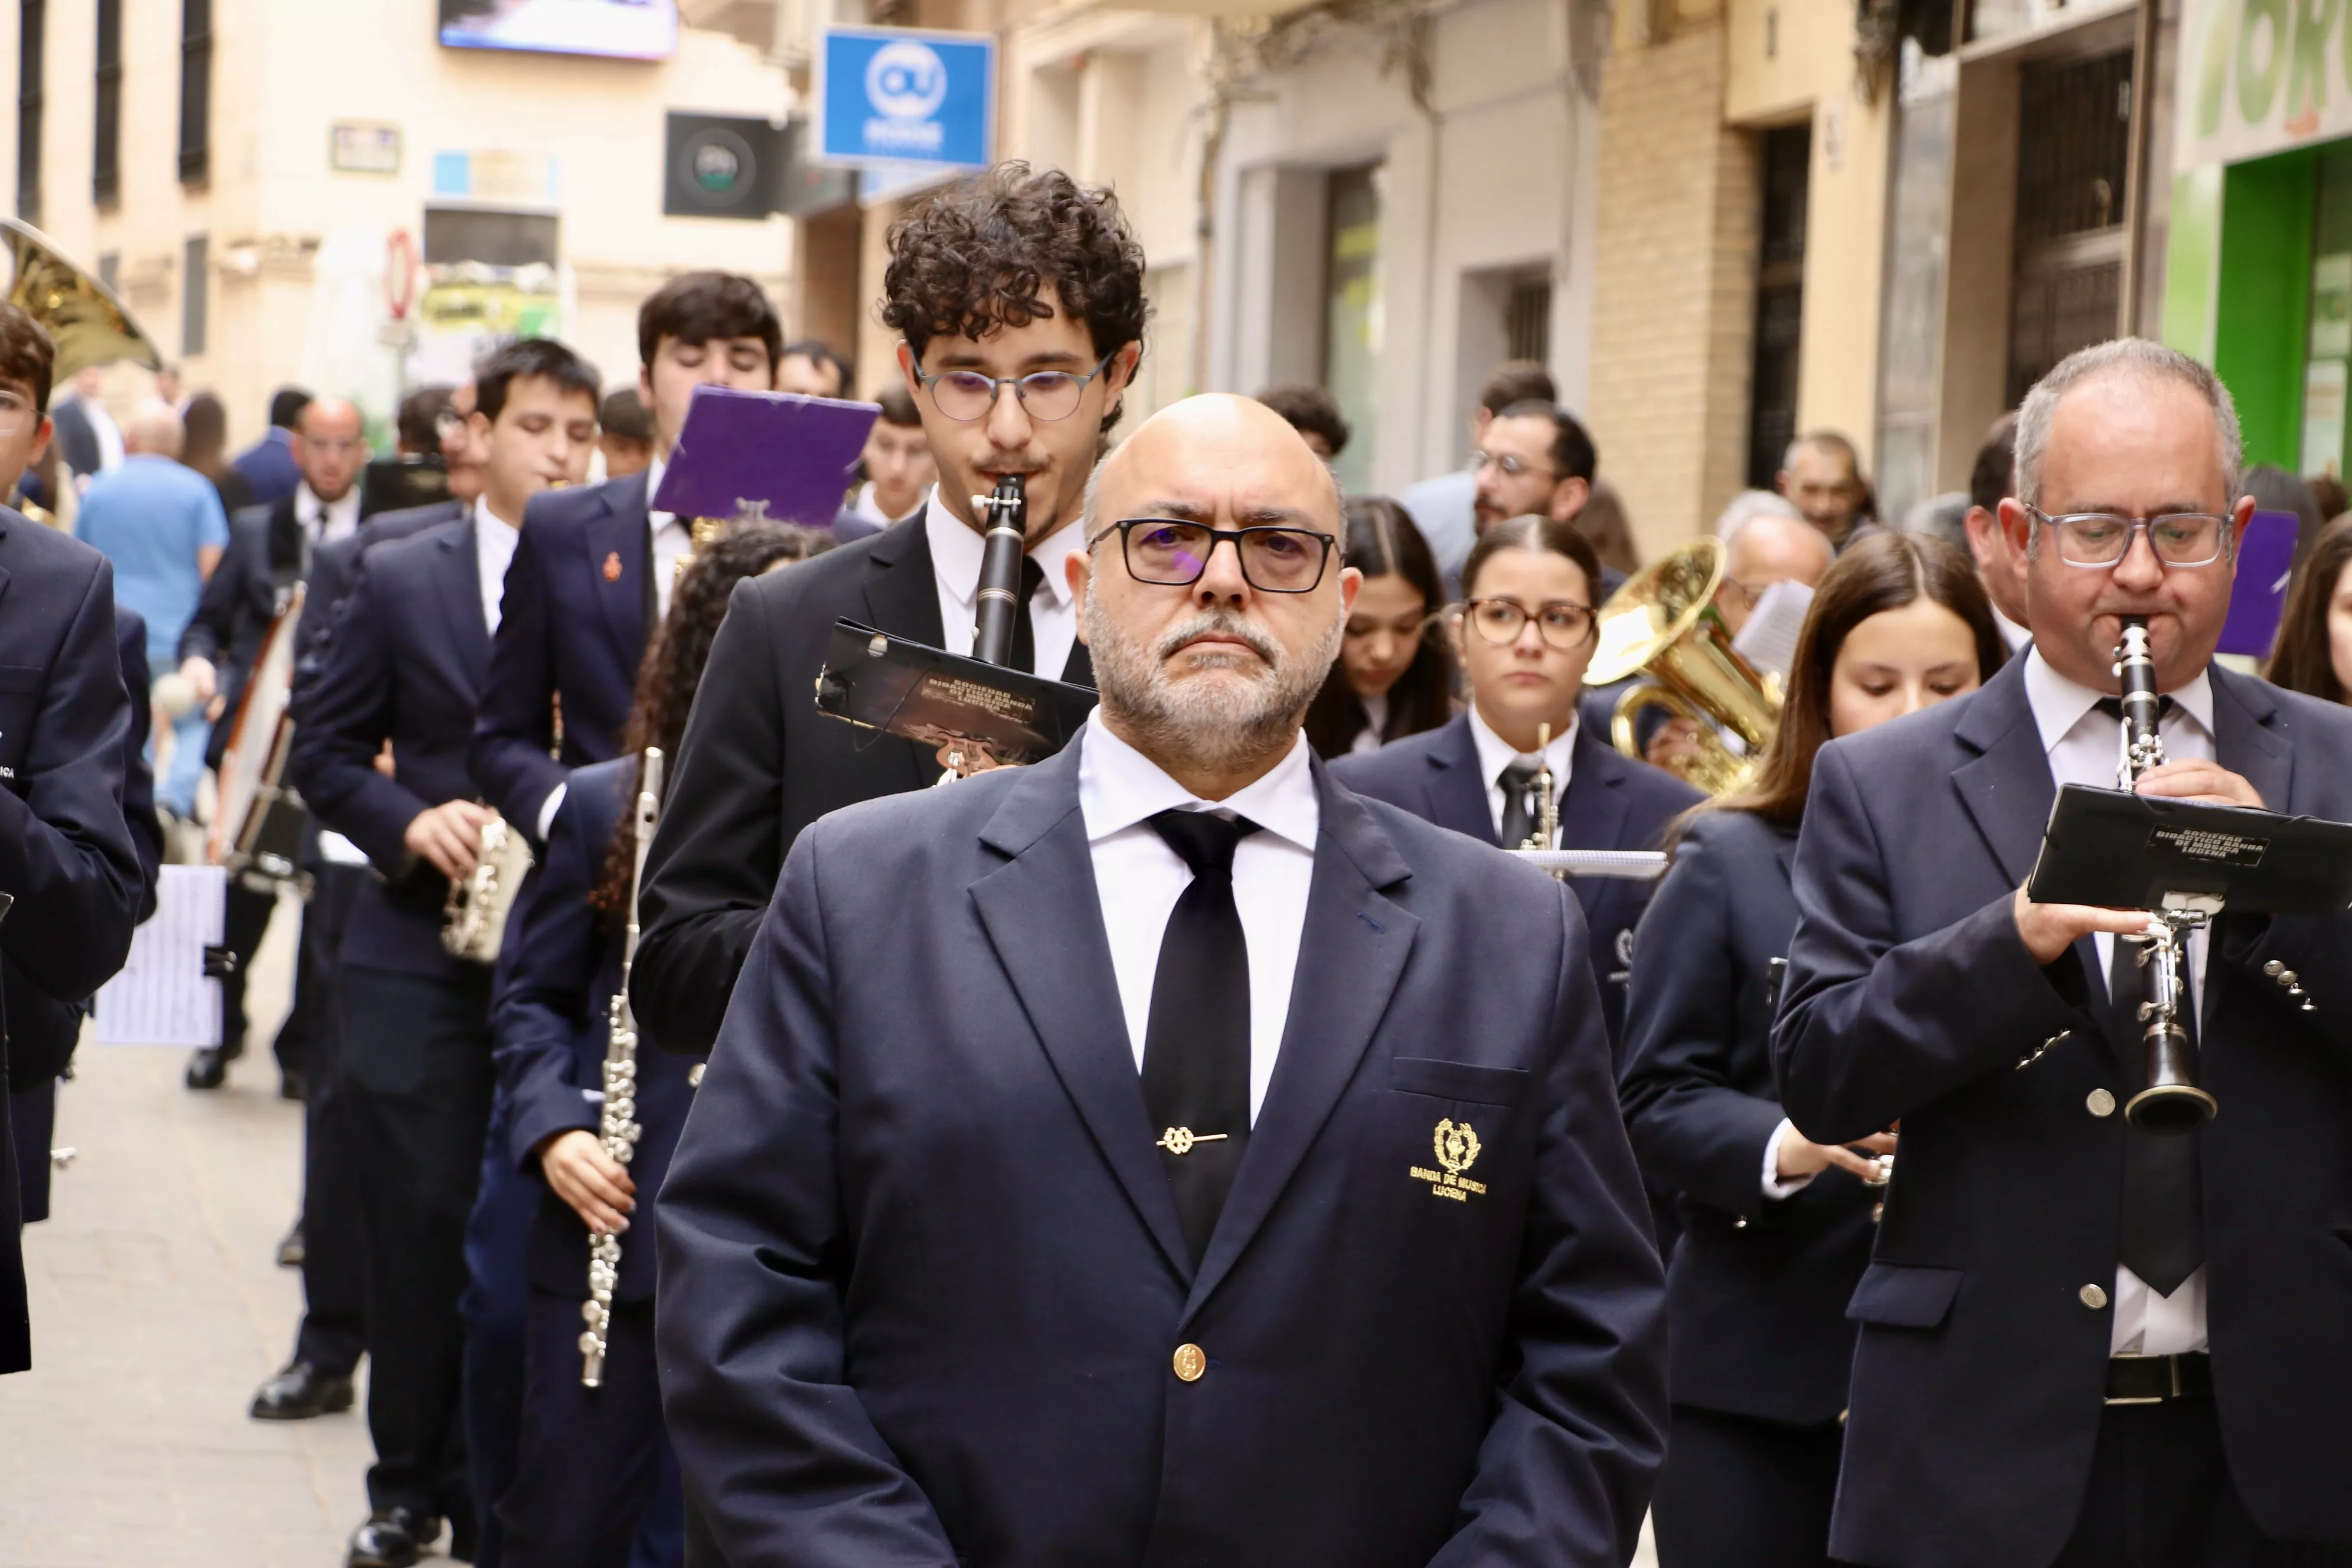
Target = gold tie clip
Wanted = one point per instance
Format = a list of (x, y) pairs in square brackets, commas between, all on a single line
[(1180, 1140)]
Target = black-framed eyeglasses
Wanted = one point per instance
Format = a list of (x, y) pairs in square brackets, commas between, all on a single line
[(1563, 623), (1171, 554), (1046, 394), (2179, 539)]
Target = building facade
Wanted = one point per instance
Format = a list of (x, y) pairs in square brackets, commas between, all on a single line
[(285, 192)]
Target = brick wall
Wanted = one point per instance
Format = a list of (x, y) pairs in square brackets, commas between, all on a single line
[(1674, 284)]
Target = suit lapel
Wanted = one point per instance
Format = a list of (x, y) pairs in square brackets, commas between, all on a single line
[(1593, 812), (1043, 917), (617, 535), (460, 576), (901, 595), (2247, 742), (2006, 787), (1351, 954), (1454, 795)]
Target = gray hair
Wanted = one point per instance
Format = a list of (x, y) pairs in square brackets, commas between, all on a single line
[(2137, 357)]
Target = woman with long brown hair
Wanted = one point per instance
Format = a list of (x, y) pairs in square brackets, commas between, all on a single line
[(585, 1480), (1394, 677), (1776, 1230), (2313, 652)]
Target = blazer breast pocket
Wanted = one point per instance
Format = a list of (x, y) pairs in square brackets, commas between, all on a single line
[(1465, 1081)]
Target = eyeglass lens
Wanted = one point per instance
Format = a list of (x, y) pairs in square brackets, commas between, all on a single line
[(1176, 554), (2100, 539), (1499, 621), (1048, 394)]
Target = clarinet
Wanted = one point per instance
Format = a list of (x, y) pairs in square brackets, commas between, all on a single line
[(999, 599), (2171, 1103), (618, 1126)]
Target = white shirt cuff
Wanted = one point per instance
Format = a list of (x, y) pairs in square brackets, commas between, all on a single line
[(547, 811), (1774, 1187)]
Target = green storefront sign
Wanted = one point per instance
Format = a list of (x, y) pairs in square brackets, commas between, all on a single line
[(2258, 278)]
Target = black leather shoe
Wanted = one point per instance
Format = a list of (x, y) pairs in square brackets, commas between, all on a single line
[(293, 1251), (292, 1084), (392, 1538), (208, 1069), (300, 1391)]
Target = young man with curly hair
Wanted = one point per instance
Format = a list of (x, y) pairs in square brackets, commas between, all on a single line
[(1019, 298)]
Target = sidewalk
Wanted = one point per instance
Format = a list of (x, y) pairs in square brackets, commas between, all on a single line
[(157, 1309)]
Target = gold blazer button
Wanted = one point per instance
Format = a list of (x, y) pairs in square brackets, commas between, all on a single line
[(1191, 1362)]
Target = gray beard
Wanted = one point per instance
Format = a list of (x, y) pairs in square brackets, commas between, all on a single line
[(1220, 726)]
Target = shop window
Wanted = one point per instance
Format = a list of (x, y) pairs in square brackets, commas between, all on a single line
[(1780, 301), (195, 91), (2070, 232)]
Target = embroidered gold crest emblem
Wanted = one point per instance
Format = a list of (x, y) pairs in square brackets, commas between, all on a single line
[(1455, 1145)]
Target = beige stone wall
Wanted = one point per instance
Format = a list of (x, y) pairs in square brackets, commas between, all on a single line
[(1673, 289)]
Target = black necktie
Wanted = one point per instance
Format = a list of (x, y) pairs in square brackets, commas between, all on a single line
[(1196, 1046), (2164, 1211), (1024, 635), (1519, 804)]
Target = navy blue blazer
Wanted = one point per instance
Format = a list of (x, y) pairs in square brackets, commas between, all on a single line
[(579, 608), (335, 565), (265, 555), (922, 1279), (404, 664), (1611, 803), (66, 850), (551, 1020), (1757, 1292), (1981, 1365), (268, 467)]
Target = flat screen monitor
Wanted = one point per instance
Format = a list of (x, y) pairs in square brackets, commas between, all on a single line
[(620, 30)]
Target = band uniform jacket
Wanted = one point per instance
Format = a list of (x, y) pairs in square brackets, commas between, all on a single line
[(67, 856), (1611, 803), (404, 663), (333, 568), (922, 1277), (759, 763), (1756, 1294), (267, 555), (550, 1021), (579, 608), (1985, 1320)]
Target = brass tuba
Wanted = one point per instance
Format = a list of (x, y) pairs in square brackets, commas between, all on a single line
[(1663, 624), (81, 315)]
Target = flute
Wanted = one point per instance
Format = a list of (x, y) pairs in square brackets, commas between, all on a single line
[(618, 1124)]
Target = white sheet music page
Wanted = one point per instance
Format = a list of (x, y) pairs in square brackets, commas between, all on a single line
[(1768, 640), (162, 997)]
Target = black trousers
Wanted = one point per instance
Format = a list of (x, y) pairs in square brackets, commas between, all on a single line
[(2162, 1497), (596, 1462), (416, 1077), (244, 923), (33, 1119), (1739, 1493), (333, 1332)]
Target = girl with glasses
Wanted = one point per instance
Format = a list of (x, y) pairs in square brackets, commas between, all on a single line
[(1525, 633), (1776, 1230), (1395, 674)]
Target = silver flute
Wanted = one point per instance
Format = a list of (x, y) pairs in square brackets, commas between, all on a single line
[(619, 1128)]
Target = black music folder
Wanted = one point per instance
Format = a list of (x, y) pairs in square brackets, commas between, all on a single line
[(2116, 850), (888, 683)]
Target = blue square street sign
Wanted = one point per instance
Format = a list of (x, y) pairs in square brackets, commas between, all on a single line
[(897, 95)]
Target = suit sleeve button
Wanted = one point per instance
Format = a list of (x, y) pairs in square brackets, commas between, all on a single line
[(2099, 1102), (1191, 1362), (2093, 1297)]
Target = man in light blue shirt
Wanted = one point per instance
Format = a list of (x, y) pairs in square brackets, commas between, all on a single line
[(1445, 508), (163, 527)]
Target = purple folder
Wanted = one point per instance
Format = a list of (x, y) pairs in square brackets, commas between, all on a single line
[(791, 454), (2257, 600)]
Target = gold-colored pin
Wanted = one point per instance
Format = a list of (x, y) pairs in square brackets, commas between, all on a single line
[(1180, 1140)]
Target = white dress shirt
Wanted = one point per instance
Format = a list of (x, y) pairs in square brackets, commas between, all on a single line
[(494, 548), (1138, 878), (672, 542), (1376, 724), (955, 566), (2015, 636), (326, 521), (2085, 747), (1494, 755), (866, 507)]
